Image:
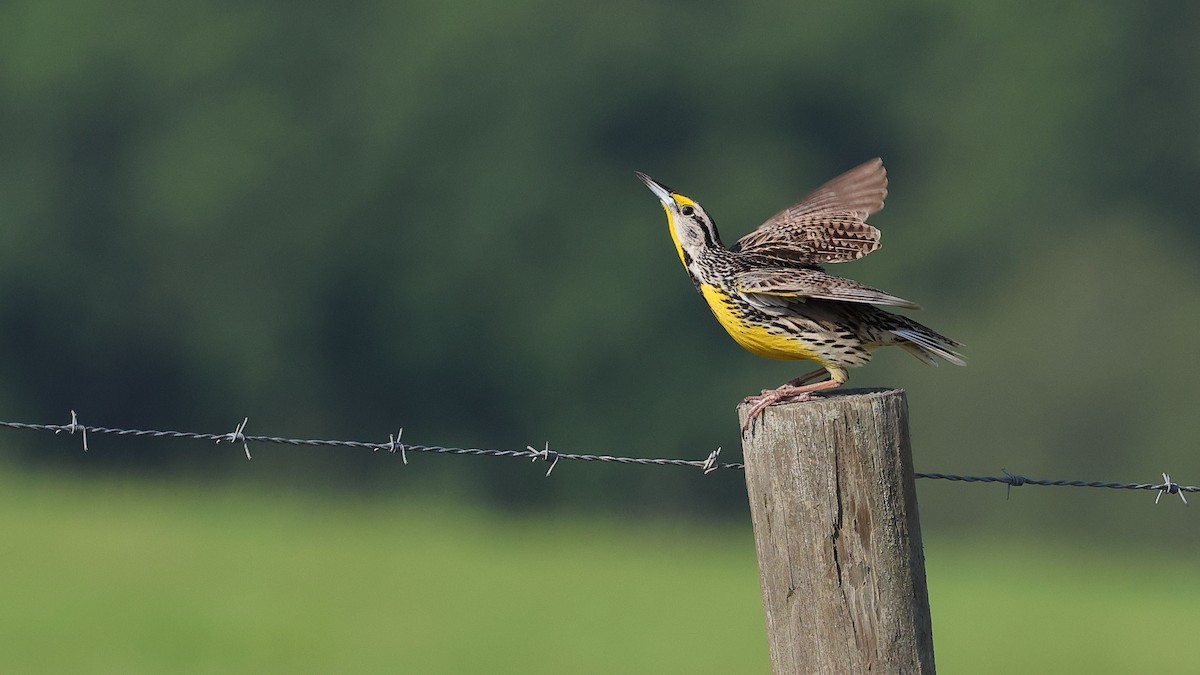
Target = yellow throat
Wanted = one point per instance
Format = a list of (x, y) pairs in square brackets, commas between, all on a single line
[(682, 201)]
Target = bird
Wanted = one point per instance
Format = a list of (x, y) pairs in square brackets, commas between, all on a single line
[(771, 293)]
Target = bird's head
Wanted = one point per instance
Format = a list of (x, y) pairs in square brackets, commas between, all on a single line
[(691, 228)]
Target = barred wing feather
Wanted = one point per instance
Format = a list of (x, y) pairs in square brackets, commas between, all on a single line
[(808, 283), (827, 225)]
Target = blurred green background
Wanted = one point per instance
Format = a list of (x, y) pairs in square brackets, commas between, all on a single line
[(340, 221)]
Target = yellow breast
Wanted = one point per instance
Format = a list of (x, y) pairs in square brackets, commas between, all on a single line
[(751, 335)]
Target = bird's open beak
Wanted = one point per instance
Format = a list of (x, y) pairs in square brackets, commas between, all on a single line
[(661, 191)]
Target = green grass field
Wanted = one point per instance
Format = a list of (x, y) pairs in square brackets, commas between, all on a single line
[(103, 576)]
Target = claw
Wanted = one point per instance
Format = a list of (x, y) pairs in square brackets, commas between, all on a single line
[(787, 393)]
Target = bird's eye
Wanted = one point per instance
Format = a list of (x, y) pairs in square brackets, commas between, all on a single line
[(687, 210)]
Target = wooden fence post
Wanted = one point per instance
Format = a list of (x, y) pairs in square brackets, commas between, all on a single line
[(834, 505)]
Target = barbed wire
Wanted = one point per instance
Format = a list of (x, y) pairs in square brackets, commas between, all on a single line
[(393, 445), (708, 465)]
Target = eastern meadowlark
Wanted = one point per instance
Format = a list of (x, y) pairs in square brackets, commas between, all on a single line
[(771, 294)]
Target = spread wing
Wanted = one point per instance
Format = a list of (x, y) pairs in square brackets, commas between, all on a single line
[(804, 283), (827, 226)]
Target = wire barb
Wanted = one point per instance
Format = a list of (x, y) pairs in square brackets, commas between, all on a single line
[(237, 435), (73, 427), (546, 455), (1170, 487), (394, 444), (710, 465), (1014, 480)]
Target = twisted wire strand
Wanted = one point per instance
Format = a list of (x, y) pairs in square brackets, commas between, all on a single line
[(1167, 486), (1014, 480), (392, 446)]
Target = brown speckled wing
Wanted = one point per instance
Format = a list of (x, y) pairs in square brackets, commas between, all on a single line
[(804, 283), (827, 226)]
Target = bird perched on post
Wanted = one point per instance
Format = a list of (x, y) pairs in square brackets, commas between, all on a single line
[(771, 294)]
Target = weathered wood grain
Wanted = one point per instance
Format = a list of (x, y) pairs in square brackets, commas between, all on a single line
[(834, 505)]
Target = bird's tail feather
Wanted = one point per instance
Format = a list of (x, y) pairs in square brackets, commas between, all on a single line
[(926, 343)]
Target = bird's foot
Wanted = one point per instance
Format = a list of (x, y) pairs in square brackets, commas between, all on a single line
[(788, 393), (770, 397)]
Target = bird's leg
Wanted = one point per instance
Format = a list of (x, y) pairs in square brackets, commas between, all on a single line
[(803, 379), (796, 383), (794, 390)]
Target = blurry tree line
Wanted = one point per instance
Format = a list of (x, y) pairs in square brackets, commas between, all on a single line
[(341, 220)]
